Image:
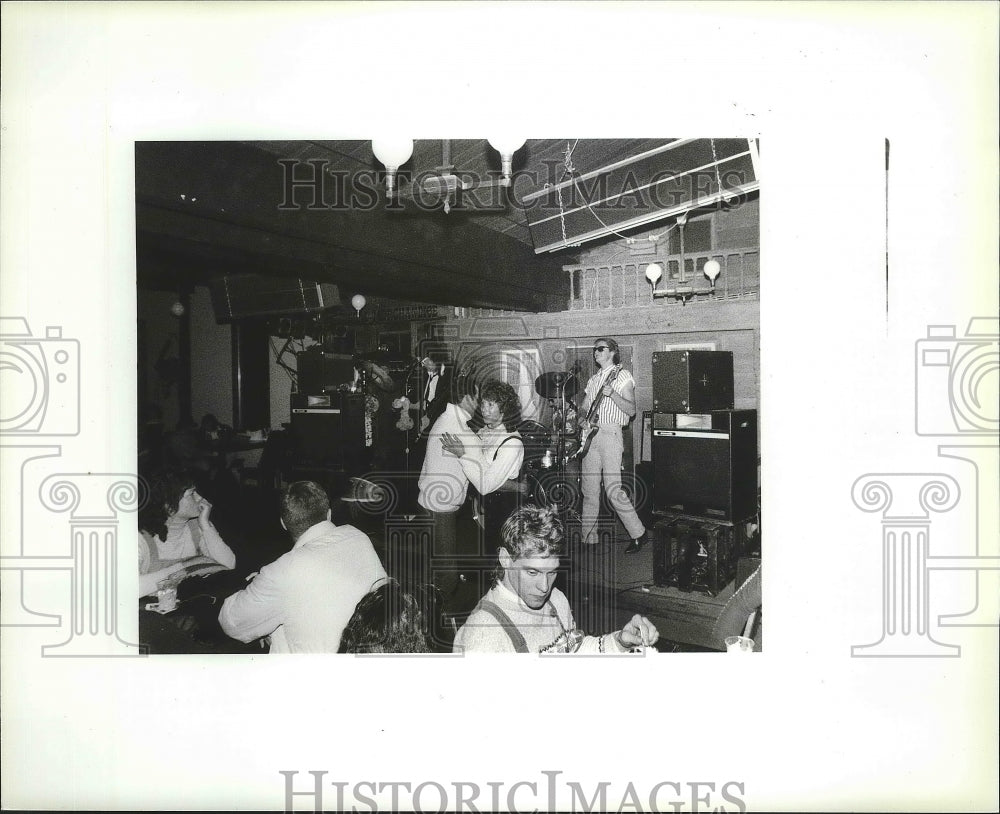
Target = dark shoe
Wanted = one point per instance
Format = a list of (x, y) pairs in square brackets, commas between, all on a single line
[(637, 544)]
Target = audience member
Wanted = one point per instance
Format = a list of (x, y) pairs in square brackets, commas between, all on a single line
[(212, 431), (176, 537), (183, 447), (523, 612), (390, 620), (303, 600)]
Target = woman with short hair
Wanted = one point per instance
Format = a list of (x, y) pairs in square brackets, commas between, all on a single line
[(176, 537)]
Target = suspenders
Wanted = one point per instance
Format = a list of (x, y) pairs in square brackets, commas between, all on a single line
[(505, 440), (516, 639)]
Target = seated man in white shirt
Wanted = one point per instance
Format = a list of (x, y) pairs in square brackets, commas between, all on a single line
[(524, 613), (305, 598)]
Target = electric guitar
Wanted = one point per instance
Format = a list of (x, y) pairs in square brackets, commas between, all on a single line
[(405, 422), (403, 404), (589, 426)]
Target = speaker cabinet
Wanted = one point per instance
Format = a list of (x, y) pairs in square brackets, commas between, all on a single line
[(251, 295), (328, 431), (692, 381), (709, 473), (695, 555), (321, 372)]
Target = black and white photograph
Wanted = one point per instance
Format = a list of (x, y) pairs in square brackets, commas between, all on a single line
[(440, 336), (399, 403)]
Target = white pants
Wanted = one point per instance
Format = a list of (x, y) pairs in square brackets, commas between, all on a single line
[(604, 462)]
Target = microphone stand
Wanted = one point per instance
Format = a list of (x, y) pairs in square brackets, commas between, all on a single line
[(407, 481), (561, 461)]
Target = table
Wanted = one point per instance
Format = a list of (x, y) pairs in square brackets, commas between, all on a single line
[(194, 626), (687, 618), (223, 449)]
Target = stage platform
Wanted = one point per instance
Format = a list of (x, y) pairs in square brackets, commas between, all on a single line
[(606, 587)]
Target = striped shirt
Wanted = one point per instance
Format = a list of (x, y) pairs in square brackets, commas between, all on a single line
[(609, 412)]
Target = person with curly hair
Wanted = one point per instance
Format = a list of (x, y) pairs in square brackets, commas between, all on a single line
[(524, 612), (493, 465), (176, 536), (390, 620)]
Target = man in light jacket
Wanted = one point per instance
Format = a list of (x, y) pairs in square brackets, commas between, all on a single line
[(303, 600)]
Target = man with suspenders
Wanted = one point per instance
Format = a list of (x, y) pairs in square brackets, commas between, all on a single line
[(523, 612)]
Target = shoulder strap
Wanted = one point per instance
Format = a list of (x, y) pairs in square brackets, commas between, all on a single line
[(505, 440), (196, 535), (154, 563), (516, 639)]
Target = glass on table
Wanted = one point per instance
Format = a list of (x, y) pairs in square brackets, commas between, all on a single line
[(739, 644)]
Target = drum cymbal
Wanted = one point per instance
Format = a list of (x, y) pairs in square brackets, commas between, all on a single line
[(551, 385)]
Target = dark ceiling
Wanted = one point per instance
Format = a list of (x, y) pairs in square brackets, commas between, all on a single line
[(317, 210)]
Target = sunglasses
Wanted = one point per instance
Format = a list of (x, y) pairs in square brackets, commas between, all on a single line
[(601, 347)]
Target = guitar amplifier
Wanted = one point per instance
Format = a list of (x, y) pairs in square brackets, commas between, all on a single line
[(692, 381), (328, 431), (320, 372), (691, 554)]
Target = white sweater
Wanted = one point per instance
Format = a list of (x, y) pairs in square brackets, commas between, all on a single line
[(550, 629)]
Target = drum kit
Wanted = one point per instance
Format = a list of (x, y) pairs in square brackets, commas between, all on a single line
[(550, 452)]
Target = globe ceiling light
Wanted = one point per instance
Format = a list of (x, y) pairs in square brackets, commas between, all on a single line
[(506, 145), (393, 152), (712, 269)]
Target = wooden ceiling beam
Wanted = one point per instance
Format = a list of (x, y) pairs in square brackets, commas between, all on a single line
[(204, 261), (231, 195)]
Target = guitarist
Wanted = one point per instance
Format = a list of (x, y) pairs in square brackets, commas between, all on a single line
[(435, 389), (609, 404)]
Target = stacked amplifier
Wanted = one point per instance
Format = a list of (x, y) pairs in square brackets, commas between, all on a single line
[(704, 458), (328, 421), (328, 430)]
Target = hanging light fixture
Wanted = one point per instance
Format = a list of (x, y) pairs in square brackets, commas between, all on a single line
[(443, 185), (506, 145), (683, 291), (393, 152), (711, 270)]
